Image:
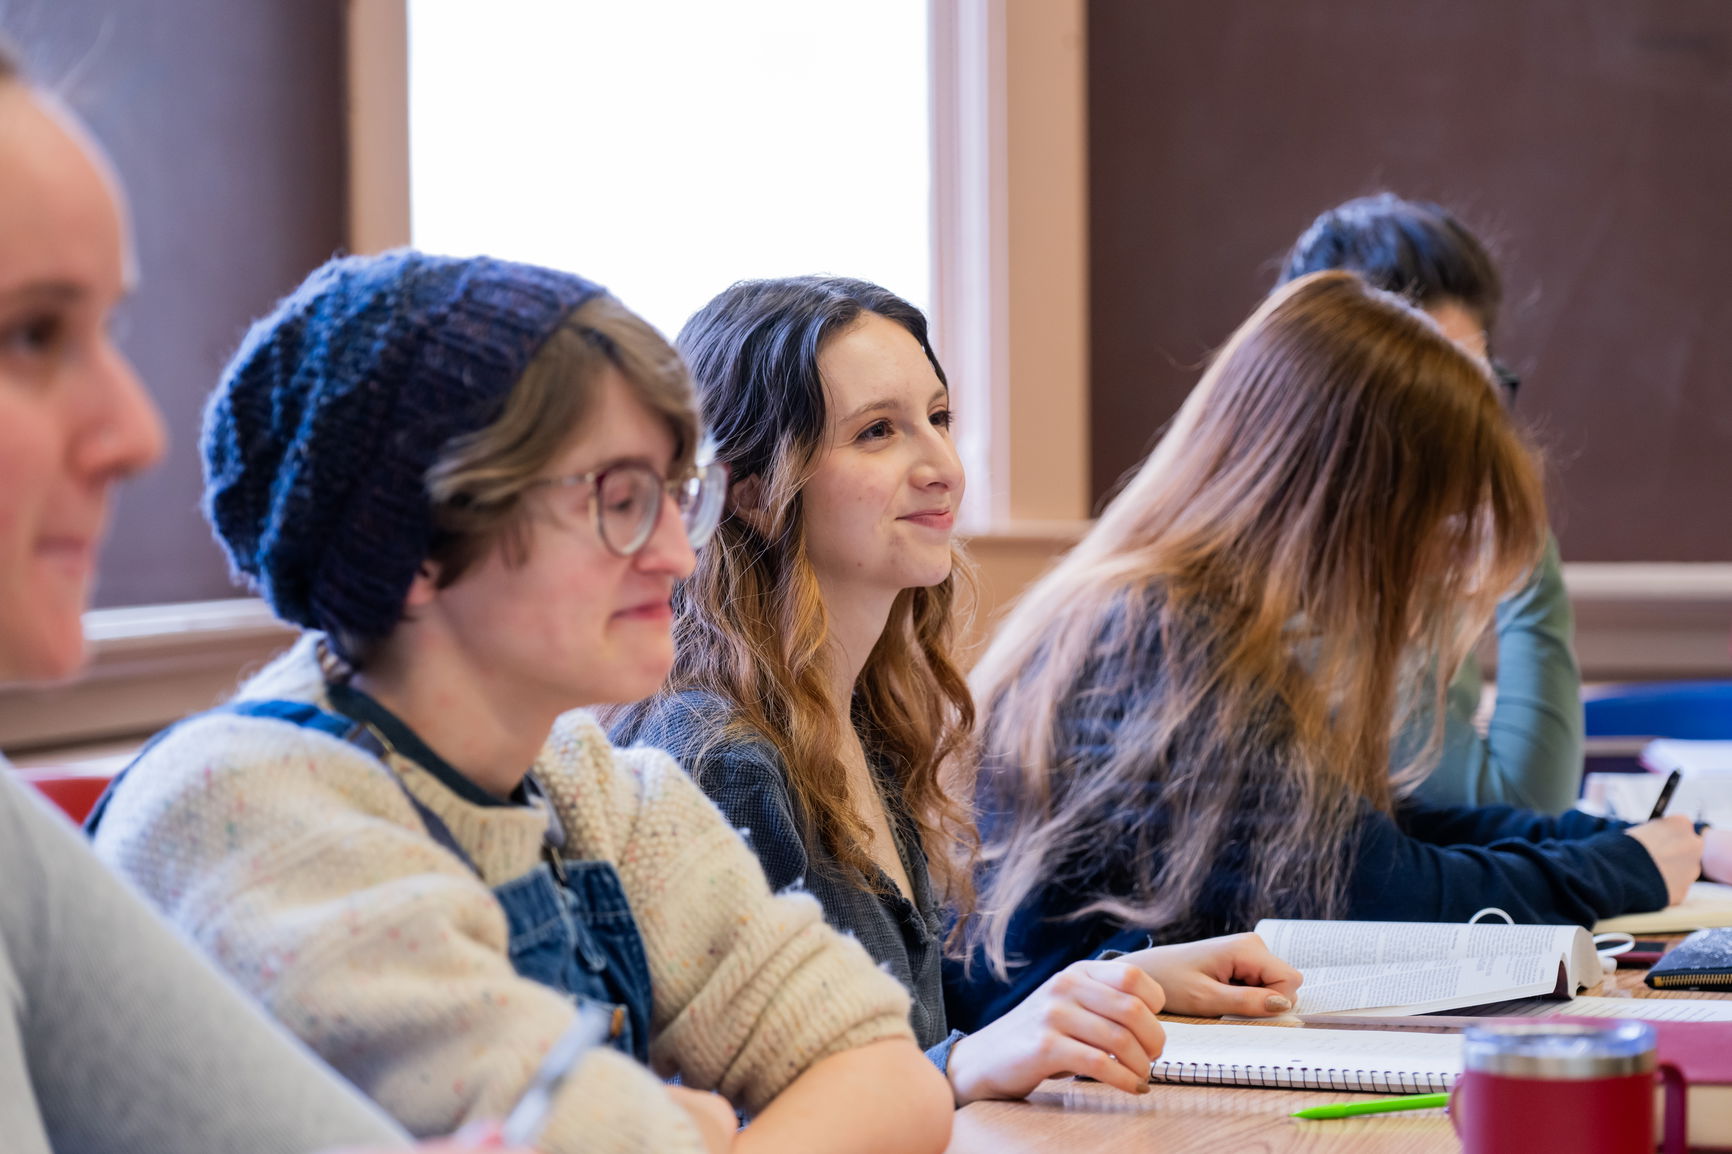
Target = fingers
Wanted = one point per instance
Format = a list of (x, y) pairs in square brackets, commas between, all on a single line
[(1134, 1044), (1125, 977), (1253, 1001), (1241, 958), (1661, 831), (1121, 993), (710, 1113), (1676, 850), (1236, 974), (1110, 1006), (1078, 1041), (1279, 979), (1204, 997), (1092, 1018), (1253, 964), (1092, 1062)]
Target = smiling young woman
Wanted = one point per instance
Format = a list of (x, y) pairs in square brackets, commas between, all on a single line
[(815, 697)]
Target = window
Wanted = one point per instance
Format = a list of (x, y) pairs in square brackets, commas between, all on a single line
[(671, 147)]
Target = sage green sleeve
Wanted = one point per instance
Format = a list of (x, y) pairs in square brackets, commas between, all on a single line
[(116, 1037), (1531, 754)]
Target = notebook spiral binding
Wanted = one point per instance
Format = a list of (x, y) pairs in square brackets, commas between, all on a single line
[(1301, 1077)]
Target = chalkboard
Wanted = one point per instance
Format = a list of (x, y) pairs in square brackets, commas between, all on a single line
[(1589, 140)]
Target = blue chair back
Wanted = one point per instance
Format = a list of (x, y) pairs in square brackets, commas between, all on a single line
[(1692, 710)]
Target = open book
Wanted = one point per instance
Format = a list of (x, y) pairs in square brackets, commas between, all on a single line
[(1367, 1061), (1387, 968)]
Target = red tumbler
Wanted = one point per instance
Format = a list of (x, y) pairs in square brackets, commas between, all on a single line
[(1585, 1087)]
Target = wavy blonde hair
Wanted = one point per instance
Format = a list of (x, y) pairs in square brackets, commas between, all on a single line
[(750, 623), (1331, 518)]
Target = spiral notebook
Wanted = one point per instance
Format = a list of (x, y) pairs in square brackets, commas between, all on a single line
[(1304, 1058)]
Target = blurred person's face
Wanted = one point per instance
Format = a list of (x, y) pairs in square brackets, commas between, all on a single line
[(1461, 326), (73, 418)]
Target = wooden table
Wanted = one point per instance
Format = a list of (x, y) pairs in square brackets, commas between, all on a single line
[(1073, 1117)]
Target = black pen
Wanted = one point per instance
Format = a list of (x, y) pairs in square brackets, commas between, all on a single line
[(1666, 792)]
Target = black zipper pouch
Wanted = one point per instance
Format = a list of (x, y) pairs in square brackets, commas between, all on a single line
[(1702, 961)]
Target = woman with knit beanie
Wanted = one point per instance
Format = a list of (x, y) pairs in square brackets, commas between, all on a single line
[(474, 484), (116, 1037)]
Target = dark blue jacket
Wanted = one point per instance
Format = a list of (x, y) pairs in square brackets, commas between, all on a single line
[(1424, 863)]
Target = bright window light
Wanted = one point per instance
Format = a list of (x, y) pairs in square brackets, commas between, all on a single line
[(668, 148)]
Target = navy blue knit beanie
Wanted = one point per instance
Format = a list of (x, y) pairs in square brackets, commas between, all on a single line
[(318, 439)]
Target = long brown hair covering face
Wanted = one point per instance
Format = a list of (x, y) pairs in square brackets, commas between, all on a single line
[(1332, 516), (750, 624)]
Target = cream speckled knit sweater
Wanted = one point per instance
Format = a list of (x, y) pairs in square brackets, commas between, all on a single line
[(299, 865)]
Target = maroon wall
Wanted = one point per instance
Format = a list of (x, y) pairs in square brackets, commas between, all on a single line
[(226, 120), (1590, 140)]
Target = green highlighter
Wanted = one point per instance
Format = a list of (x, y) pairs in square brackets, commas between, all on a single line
[(1387, 1105)]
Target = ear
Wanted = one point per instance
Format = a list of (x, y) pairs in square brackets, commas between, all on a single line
[(424, 588), (746, 500)]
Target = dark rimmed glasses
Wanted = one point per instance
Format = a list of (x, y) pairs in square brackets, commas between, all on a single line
[(1507, 378), (626, 502)]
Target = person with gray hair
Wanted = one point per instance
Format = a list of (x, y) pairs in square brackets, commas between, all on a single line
[(115, 1034)]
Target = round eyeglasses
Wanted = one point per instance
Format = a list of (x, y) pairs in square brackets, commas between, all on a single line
[(626, 502)]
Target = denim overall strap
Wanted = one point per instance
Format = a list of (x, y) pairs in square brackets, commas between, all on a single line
[(308, 716), (300, 713), (578, 936), (570, 926)]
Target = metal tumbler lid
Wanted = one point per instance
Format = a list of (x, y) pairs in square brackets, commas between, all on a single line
[(1560, 1051)]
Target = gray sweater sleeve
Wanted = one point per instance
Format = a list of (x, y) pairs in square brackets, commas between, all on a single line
[(116, 1036), (1531, 755)]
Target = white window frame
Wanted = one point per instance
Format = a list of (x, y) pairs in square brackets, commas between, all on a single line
[(1009, 233)]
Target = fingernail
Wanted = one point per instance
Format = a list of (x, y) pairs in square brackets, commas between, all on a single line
[(1143, 1087), (1276, 1004)]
